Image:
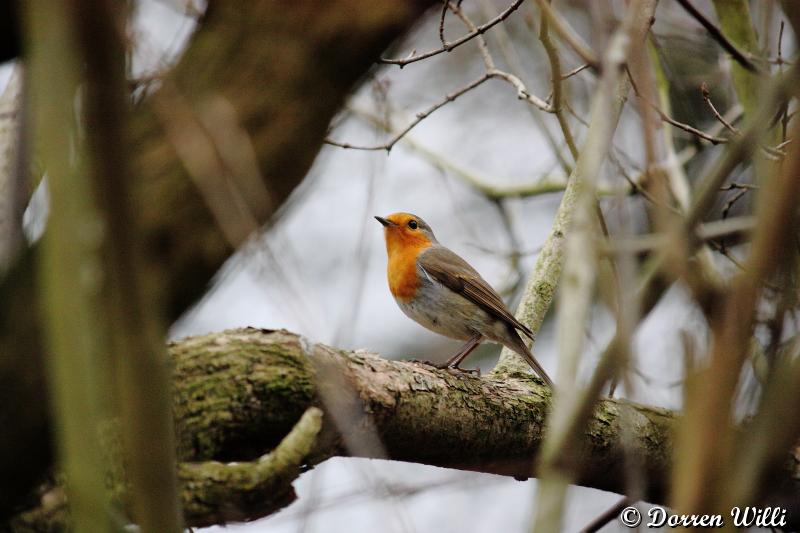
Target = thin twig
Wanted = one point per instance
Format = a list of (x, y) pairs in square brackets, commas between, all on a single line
[(607, 516), (491, 72), (514, 80), (671, 121), (480, 30), (733, 186), (522, 91), (707, 98), (686, 127), (555, 76), (723, 250), (512, 59), (441, 24), (482, 184), (575, 71), (488, 61), (730, 203), (422, 115), (718, 36), (568, 35)]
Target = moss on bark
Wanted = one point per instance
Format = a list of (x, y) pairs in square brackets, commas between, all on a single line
[(238, 394)]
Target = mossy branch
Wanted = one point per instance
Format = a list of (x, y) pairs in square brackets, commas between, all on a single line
[(239, 393), (214, 492)]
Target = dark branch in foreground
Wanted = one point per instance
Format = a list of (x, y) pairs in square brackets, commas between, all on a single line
[(181, 244)]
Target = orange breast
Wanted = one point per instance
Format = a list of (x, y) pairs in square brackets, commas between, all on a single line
[(402, 268)]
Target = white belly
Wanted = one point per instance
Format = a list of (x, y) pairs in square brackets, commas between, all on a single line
[(445, 312)]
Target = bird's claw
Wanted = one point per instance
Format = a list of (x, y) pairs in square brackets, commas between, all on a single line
[(425, 362), (454, 370), (457, 371)]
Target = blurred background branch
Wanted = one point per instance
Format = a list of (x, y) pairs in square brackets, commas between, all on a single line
[(181, 243)]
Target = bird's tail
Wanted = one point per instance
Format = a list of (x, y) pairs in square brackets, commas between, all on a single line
[(518, 345)]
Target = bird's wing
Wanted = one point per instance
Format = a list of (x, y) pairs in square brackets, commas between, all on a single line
[(457, 275)]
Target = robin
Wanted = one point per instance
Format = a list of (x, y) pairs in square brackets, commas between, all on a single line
[(439, 290)]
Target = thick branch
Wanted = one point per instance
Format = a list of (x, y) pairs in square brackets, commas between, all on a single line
[(238, 393), (212, 492), (215, 492)]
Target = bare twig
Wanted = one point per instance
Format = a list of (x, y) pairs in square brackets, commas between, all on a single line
[(522, 91), (725, 252), (733, 186), (575, 71), (512, 58), (707, 97), (671, 121), (773, 152), (422, 115), (607, 516), (555, 76), (730, 203), (447, 47), (568, 35), (482, 184), (441, 24), (491, 72)]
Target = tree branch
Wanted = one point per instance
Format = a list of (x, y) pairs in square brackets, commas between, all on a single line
[(239, 392), (212, 492)]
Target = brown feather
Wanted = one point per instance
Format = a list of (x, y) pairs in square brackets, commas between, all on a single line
[(457, 275)]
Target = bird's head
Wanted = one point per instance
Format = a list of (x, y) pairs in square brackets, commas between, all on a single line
[(404, 230)]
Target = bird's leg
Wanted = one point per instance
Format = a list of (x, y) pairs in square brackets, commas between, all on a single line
[(462, 354), (453, 362)]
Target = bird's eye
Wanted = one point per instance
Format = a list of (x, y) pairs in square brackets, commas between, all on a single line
[(412, 224)]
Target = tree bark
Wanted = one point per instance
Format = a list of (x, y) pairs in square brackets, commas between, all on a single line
[(283, 72), (247, 409), (240, 392)]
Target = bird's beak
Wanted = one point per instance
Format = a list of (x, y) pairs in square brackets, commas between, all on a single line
[(385, 222)]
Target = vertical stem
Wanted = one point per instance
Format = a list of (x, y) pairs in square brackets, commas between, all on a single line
[(70, 272), (559, 455), (555, 74), (140, 361)]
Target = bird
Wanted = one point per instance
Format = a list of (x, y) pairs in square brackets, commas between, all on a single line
[(440, 291)]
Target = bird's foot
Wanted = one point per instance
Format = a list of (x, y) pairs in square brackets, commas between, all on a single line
[(425, 362), (455, 370), (458, 371)]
